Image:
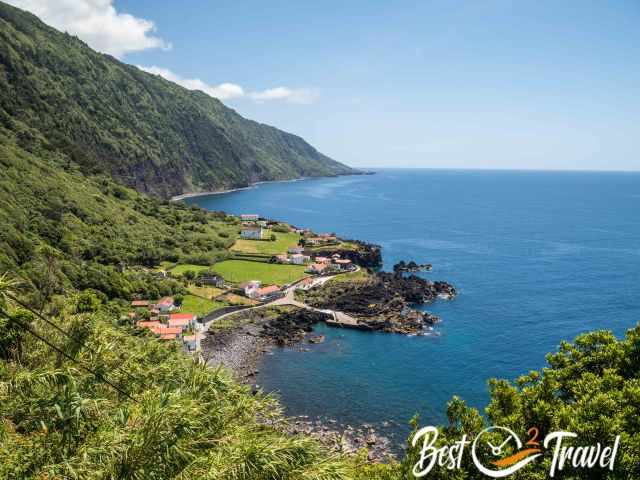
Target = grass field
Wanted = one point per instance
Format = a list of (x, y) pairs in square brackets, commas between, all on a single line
[(359, 276), (282, 243), (184, 267), (198, 305), (205, 292), (238, 271)]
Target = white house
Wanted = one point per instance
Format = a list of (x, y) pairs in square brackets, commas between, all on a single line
[(250, 287), (249, 217), (295, 249), (251, 233), (299, 259), (165, 304)]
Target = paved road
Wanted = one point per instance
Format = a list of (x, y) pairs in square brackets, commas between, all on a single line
[(287, 299)]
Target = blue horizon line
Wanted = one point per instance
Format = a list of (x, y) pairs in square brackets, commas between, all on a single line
[(534, 170)]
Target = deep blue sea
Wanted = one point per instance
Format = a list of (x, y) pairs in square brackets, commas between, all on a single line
[(537, 257)]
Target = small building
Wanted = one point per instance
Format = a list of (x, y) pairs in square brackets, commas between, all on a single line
[(213, 280), (295, 250), (165, 304), (249, 217), (306, 284), (250, 286), (344, 264), (282, 258), (140, 304), (299, 259), (266, 291), (190, 342), (320, 259), (253, 232), (317, 267), (183, 320), (168, 333), (150, 324)]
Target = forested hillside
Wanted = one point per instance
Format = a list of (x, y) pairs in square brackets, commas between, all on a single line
[(148, 133)]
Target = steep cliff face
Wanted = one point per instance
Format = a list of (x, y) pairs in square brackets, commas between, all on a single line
[(105, 116)]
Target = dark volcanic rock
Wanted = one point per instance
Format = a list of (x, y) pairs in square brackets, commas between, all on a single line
[(384, 302), (291, 327), (368, 255)]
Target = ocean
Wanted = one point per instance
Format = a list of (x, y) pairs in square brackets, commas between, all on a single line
[(537, 258)]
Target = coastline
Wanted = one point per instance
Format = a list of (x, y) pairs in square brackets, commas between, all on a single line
[(242, 349), (183, 196)]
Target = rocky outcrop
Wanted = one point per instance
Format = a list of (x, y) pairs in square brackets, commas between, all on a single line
[(384, 302), (367, 255), (291, 327), (411, 267)]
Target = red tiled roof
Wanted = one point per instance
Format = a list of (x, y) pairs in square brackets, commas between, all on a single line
[(267, 290), (181, 316), (165, 301), (140, 303), (167, 336), (318, 266), (179, 322)]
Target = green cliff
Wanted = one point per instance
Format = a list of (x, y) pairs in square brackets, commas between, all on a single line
[(146, 132)]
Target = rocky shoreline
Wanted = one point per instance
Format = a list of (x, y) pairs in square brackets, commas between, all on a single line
[(241, 350), (380, 301), (384, 301)]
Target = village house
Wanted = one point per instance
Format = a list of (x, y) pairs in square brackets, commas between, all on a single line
[(150, 324), (320, 259), (253, 232), (190, 343), (183, 320), (250, 286), (165, 304), (213, 280), (306, 284), (344, 264), (295, 250), (282, 258), (140, 304), (299, 259), (249, 217), (265, 292), (318, 267), (168, 333)]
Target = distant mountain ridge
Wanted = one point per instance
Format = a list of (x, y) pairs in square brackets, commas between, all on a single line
[(59, 95)]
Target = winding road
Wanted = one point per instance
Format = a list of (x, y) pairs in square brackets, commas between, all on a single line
[(339, 318)]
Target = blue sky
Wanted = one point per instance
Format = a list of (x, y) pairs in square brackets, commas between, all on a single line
[(473, 84)]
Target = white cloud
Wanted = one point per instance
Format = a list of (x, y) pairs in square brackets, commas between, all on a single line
[(97, 23), (226, 91), (302, 95), (223, 91)]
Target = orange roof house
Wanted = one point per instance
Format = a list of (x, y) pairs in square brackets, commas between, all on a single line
[(149, 324), (261, 292), (318, 267), (181, 319)]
